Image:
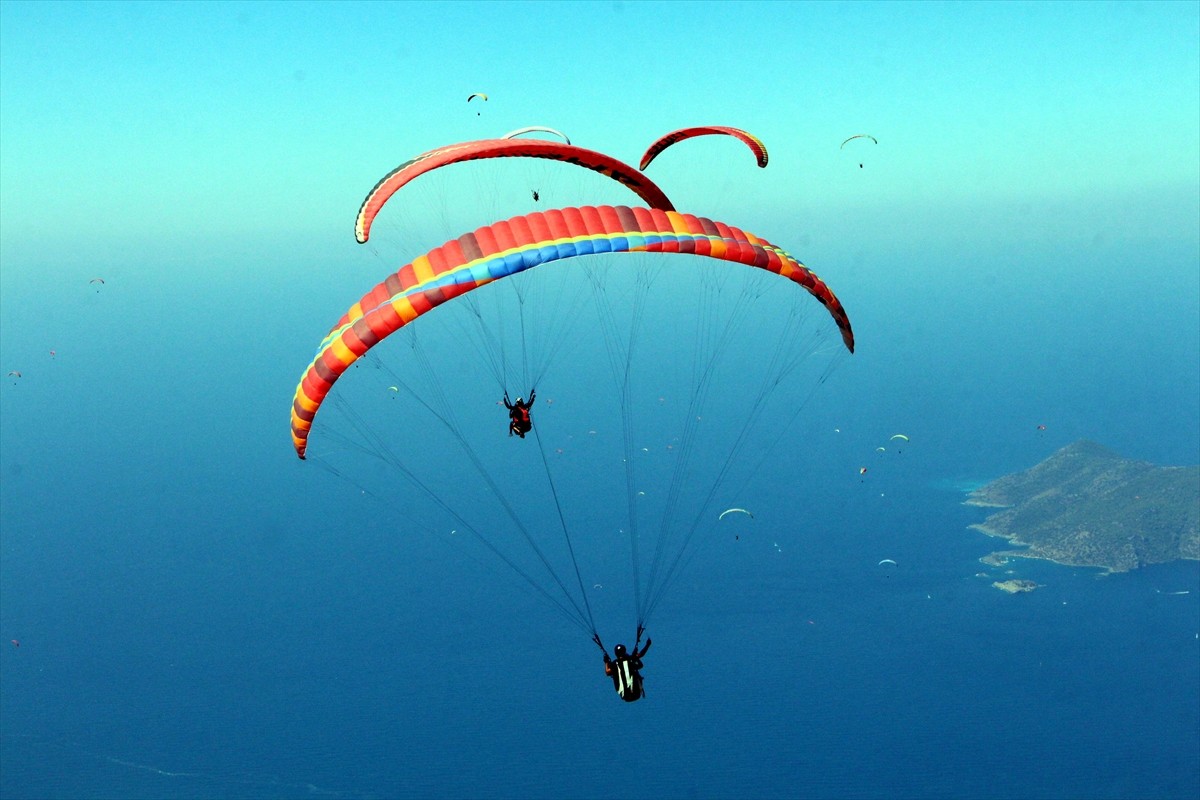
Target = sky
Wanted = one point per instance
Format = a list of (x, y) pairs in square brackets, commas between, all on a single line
[(1020, 248)]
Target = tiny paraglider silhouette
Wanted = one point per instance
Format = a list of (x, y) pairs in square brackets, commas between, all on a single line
[(480, 95), (16, 642)]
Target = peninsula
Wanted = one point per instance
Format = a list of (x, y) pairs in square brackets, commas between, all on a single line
[(1087, 506)]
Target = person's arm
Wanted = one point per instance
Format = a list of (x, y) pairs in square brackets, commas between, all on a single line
[(532, 397), (645, 649)]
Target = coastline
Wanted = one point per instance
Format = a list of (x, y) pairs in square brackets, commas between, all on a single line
[(998, 558)]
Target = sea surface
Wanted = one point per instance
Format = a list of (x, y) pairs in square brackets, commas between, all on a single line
[(788, 663)]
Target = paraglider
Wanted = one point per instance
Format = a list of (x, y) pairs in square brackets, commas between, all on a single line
[(14, 374), (887, 561), (504, 250), (753, 142), (900, 436), (858, 136), (642, 186), (515, 245), (480, 95)]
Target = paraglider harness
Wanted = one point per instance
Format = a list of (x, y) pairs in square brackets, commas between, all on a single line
[(519, 420), (624, 669)]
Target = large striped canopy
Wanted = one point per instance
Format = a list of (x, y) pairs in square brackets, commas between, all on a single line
[(515, 245)]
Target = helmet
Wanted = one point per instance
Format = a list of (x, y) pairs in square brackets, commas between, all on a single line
[(619, 650), (520, 400)]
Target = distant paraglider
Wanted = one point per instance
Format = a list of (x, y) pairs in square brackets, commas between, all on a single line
[(858, 136), (735, 511), (753, 142), (387, 186), (480, 95)]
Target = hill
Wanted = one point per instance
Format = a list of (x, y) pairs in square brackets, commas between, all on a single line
[(1087, 506)]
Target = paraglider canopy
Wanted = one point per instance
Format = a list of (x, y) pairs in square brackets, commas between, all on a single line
[(536, 129), (389, 184), (662, 143)]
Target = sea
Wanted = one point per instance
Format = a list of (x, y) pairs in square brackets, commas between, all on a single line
[(190, 611)]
